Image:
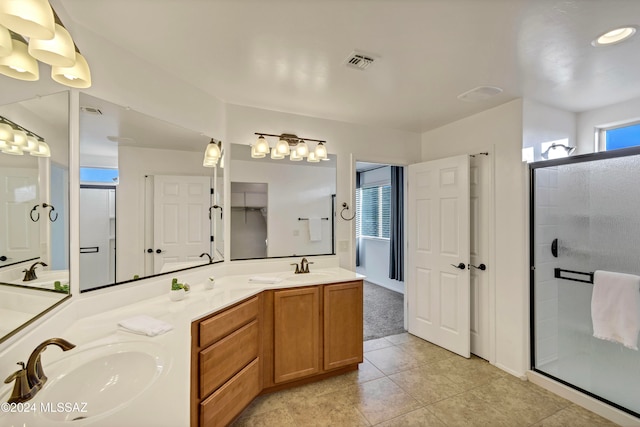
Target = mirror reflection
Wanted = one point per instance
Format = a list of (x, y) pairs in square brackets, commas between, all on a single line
[(147, 204), (281, 208), (34, 203)]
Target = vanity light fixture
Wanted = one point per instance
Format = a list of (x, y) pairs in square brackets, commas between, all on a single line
[(16, 140), (289, 145), (212, 153), (615, 36), (49, 42)]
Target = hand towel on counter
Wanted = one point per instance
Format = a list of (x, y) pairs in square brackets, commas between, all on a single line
[(265, 279), (145, 325), (615, 307), (315, 229)]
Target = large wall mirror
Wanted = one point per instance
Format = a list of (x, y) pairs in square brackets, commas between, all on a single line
[(281, 208), (34, 209), (148, 206)]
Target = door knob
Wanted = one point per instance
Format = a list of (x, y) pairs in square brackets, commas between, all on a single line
[(461, 266), (479, 267), (159, 251), (3, 258), (149, 251)]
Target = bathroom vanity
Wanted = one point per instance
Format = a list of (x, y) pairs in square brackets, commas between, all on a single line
[(277, 339)]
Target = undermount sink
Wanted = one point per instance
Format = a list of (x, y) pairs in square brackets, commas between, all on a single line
[(303, 277), (106, 377)]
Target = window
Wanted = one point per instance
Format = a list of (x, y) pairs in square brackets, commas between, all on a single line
[(619, 137), (373, 207), (99, 175)]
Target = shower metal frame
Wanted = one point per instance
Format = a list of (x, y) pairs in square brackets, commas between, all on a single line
[(582, 158)]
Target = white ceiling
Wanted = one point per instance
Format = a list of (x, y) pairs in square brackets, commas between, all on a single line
[(288, 55)]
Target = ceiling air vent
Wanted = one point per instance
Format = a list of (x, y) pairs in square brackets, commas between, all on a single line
[(480, 93), (359, 60), (91, 110)]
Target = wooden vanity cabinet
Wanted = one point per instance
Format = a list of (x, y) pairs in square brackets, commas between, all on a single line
[(311, 333), (226, 369), (296, 333), (275, 340), (342, 324)]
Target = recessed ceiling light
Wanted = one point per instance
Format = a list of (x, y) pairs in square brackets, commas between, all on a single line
[(480, 93), (615, 36)]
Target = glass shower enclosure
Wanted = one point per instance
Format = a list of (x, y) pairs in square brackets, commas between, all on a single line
[(584, 216)]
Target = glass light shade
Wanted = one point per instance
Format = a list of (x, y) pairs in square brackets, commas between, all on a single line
[(19, 64), (275, 155), (295, 157), (6, 132), (312, 158), (302, 149), (42, 151), (32, 144), (3, 144), (59, 50), (5, 42), (14, 150), (78, 75), (209, 163), (255, 154), (31, 18), (262, 146), (212, 151), (222, 162), (321, 151), (283, 147), (20, 139)]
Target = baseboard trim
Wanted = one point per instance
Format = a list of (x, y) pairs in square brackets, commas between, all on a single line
[(594, 405)]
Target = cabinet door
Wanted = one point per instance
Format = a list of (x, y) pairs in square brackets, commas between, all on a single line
[(342, 324), (296, 333)]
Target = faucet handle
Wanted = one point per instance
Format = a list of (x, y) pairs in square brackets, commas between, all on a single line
[(297, 268), (22, 391)]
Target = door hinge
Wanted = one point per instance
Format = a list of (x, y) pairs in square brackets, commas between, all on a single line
[(211, 190), (212, 238)]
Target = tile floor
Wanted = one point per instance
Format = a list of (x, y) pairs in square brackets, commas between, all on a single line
[(405, 381)]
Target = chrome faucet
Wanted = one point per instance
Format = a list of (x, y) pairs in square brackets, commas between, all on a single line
[(30, 274), (210, 259), (30, 379)]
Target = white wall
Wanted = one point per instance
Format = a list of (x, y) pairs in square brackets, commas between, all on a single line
[(499, 131), (542, 123), (133, 164), (612, 115), (349, 141)]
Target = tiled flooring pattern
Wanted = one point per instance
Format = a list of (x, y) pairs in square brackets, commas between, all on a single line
[(405, 381)]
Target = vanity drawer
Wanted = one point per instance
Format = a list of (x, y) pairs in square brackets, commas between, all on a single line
[(224, 323), (228, 401), (225, 358)]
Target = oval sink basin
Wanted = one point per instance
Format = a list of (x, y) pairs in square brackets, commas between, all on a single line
[(304, 277), (106, 378)]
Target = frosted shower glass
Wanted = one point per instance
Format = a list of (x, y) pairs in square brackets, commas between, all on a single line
[(593, 209)]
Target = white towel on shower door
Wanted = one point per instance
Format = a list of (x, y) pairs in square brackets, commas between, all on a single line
[(315, 229), (615, 307)]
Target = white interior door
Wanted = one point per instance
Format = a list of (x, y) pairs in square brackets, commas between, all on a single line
[(18, 195), (181, 227), (480, 181), (95, 256), (438, 253)]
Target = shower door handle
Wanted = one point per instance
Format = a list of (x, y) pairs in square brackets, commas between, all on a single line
[(461, 266)]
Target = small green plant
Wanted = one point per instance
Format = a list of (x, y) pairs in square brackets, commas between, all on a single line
[(175, 286), (59, 287)]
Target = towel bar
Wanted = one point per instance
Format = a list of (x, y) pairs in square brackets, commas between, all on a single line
[(557, 273)]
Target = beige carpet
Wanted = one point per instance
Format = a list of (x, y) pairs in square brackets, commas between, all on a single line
[(383, 312)]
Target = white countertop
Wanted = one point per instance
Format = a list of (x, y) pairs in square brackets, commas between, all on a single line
[(166, 403)]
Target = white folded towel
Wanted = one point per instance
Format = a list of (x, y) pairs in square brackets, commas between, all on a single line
[(145, 325), (615, 307), (265, 279), (315, 229)]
